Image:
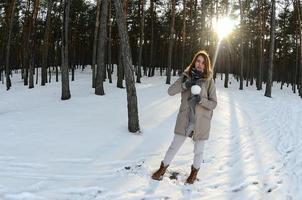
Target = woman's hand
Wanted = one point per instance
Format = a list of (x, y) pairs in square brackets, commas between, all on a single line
[(189, 83), (196, 98)]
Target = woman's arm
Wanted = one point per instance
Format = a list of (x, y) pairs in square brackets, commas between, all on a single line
[(211, 102), (176, 87)]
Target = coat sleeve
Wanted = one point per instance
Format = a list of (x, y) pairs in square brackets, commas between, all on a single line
[(177, 87), (211, 102)]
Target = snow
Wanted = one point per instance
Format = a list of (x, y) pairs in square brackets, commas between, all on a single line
[(81, 149)]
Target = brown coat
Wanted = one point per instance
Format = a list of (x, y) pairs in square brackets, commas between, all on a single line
[(203, 110)]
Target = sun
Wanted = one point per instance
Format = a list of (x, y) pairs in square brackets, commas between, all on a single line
[(223, 27)]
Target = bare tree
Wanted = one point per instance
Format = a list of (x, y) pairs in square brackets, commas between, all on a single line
[(152, 38), (141, 41), (260, 40), (109, 71), (183, 35), (25, 42), (46, 43), (133, 121), (9, 23), (120, 67), (65, 65), (226, 52), (95, 41), (241, 45), (298, 8), (32, 44), (99, 88), (171, 40), (269, 82), (203, 23)]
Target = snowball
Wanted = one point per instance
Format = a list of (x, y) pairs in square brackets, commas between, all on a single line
[(195, 89)]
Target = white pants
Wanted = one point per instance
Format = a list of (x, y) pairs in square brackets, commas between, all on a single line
[(175, 145)]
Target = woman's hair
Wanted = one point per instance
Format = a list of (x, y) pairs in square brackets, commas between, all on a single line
[(207, 63)]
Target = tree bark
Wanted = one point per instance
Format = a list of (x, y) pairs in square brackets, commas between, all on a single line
[(203, 23), (241, 45), (183, 36), (25, 43), (9, 23), (260, 40), (109, 72), (226, 52), (298, 3), (99, 88), (133, 120), (65, 64), (168, 80), (120, 69), (141, 42), (32, 44), (46, 44), (296, 65), (269, 82), (95, 41), (151, 63), (227, 63)]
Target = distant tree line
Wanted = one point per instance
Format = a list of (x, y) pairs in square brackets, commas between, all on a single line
[(46, 37)]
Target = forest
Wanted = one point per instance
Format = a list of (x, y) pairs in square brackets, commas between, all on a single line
[(40, 39)]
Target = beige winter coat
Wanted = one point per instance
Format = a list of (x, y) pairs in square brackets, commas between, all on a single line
[(203, 110)]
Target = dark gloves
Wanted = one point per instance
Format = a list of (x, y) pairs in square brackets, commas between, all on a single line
[(189, 83), (196, 98)]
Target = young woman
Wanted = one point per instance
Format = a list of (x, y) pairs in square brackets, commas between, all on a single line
[(198, 100)]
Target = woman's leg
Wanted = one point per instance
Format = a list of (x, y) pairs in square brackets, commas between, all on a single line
[(198, 153), (175, 145)]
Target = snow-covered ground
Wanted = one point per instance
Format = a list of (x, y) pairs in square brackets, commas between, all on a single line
[(80, 149)]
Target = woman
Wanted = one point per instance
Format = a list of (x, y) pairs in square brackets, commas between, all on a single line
[(195, 112)]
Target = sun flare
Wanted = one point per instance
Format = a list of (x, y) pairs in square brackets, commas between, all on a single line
[(224, 26)]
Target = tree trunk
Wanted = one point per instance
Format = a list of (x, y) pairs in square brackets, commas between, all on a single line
[(120, 69), (37, 75), (49, 74), (99, 89), (65, 64), (226, 53), (141, 42), (57, 73), (25, 43), (133, 121), (203, 23), (269, 82), (300, 38), (151, 63), (241, 45), (248, 48), (9, 23), (109, 45), (296, 65), (227, 64), (46, 44), (32, 44), (95, 41), (168, 80), (260, 51), (183, 36), (253, 63)]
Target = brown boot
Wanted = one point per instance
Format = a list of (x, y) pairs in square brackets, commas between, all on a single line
[(158, 175), (191, 179)]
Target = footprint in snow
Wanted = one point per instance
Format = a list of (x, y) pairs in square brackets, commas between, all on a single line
[(133, 168)]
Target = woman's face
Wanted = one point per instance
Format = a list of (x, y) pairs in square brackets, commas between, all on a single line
[(199, 64)]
